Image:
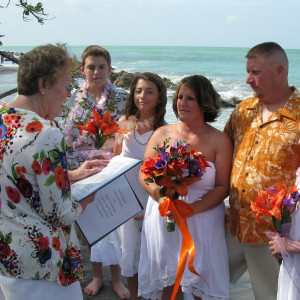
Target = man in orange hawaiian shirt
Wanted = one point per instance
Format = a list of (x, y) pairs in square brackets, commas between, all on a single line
[(265, 133)]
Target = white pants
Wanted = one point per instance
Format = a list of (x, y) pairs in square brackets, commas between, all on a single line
[(22, 289)]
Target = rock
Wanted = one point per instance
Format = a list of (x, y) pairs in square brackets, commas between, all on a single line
[(226, 103), (123, 80), (235, 101)]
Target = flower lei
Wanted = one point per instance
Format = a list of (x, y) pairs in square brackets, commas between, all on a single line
[(133, 123), (81, 97)]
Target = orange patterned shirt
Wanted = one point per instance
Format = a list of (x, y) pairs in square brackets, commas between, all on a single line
[(265, 154)]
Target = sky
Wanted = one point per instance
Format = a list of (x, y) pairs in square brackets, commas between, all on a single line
[(215, 23)]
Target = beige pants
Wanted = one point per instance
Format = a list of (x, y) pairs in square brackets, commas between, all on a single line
[(263, 268)]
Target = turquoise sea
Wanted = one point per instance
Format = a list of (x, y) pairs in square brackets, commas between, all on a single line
[(224, 66)]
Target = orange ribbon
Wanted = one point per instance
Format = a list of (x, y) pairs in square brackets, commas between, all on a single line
[(180, 211)]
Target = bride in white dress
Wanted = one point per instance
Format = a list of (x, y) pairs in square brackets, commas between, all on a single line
[(144, 112), (195, 103)]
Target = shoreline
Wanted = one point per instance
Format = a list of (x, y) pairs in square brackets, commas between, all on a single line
[(120, 79), (8, 69)]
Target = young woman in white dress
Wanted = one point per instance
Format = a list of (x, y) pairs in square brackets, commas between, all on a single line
[(144, 112), (195, 103), (289, 275)]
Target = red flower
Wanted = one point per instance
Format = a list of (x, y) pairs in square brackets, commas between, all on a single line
[(35, 126), (24, 187), (36, 166), (59, 177), (148, 166), (13, 194), (4, 250), (61, 275), (43, 243), (46, 166)]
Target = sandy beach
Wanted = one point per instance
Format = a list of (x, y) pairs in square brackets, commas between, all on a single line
[(241, 290), (8, 68)]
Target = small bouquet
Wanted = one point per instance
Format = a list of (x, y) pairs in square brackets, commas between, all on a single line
[(276, 202), (279, 204), (101, 127), (174, 171)]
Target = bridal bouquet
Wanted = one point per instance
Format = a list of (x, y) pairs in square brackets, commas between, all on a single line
[(174, 171), (101, 127)]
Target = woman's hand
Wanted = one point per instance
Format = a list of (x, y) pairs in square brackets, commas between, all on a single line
[(274, 248), (88, 168), (169, 216)]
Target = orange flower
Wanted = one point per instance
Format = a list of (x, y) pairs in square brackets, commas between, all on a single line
[(177, 184), (59, 177), (34, 126), (102, 128), (56, 243), (20, 171), (36, 166), (268, 203), (91, 128)]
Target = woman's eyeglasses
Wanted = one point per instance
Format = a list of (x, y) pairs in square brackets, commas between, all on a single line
[(68, 87)]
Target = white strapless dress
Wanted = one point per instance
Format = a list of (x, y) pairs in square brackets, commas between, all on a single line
[(127, 238), (160, 250)]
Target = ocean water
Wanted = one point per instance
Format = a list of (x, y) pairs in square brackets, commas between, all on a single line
[(224, 66)]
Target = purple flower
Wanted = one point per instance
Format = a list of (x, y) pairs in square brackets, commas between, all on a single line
[(160, 164), (161, 149), (296, 195), (164, 156), (3, 130), (173, 149), (288, 202), (271, 190), (193, 166)]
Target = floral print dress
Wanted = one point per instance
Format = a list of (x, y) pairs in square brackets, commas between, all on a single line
[(37, 238)]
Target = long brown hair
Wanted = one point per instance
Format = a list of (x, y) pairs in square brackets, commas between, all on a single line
[(160, 109)]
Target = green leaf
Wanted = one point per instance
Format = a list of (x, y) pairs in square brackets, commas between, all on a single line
[(63, 145), (26, 12), (43, 155), (36, 156), (54, 156), (1, 236), (148, 180), (3, 109), (49, 180), (10, 205), (36, 276), (8, 238), (13, 171), (38, 6)]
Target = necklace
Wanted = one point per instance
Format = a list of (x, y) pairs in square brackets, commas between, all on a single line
[(143, 144)]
